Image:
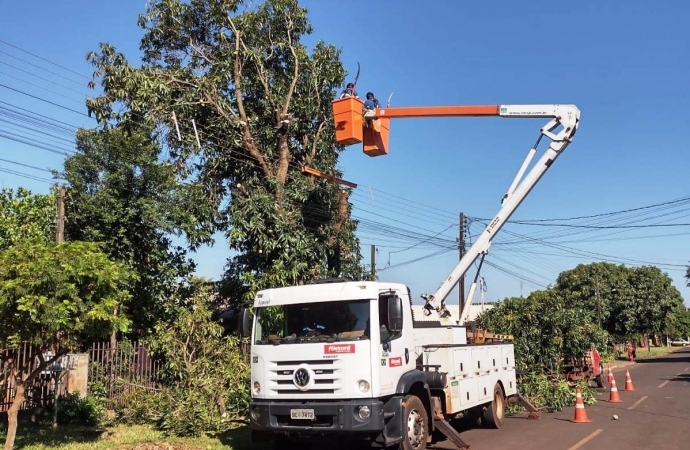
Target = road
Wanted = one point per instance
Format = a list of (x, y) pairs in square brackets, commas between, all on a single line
[(655, 415)]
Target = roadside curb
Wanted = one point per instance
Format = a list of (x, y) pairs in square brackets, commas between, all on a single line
[(622, 364)]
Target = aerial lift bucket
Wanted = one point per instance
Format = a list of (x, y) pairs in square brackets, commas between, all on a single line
[(351, 127), (347, 115)]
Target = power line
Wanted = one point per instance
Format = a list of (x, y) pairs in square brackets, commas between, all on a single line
[(44, 59), (623, 211), (44, 100), (606, 227), (42, 68)]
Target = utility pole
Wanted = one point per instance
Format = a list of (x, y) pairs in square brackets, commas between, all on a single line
[(60, 234), (373, 262), (461, 247)]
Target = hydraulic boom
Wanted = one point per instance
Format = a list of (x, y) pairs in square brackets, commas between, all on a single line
[(560, 130)]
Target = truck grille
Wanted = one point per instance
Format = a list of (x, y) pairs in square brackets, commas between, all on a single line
[(326, 380)]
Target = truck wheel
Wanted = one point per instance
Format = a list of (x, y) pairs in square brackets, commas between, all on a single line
[(495, 413), (415, 424)]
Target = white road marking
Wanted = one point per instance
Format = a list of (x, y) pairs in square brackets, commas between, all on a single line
[(664, 383), (638, 402), (587, 439)]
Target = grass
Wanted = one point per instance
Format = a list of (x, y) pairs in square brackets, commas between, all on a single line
[(130, 437), (653, 352), (642, 353)]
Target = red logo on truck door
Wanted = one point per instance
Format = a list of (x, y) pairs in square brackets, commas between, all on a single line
[(332, 349), (395, 362)]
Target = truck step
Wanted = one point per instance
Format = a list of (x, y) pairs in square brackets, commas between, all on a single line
[(452, 435)]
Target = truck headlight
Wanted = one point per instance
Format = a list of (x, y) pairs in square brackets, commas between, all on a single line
[(363, 385), (364, 412), (257, 387)]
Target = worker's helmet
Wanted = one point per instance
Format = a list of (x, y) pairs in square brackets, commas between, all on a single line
[(370, 95), (350, 85)]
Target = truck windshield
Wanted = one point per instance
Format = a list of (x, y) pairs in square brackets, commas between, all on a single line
[(312, 322)]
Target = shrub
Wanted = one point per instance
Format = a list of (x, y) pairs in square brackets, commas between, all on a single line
[(205, 376), (551, 394), (72, 409)]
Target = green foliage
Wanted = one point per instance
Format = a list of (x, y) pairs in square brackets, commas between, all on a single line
[(261, 102), (545, 327), (630, 300), (139, 406), (678, 323), (26, 216), (551, 394), (60, 296), (75, 410), (121, 195), (205, 373), (56, 297)]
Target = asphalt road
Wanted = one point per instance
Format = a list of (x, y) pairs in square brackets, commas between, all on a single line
[(655, 415)]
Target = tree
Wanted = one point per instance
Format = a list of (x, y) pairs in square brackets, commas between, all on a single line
[(655, 300), (678, 323), (55, 297), (239, 77), (545, 326), (121, 195), (24, 215), (630, 300)]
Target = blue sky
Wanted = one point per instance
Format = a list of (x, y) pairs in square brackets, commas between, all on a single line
[(624, 64)]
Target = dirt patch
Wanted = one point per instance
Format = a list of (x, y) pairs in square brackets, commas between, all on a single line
[(160, 446)]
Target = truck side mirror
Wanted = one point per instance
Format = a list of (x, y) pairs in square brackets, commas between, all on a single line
[(244, 324), (395, 314)]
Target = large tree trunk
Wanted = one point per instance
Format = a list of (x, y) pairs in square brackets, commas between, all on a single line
[(12, 415)]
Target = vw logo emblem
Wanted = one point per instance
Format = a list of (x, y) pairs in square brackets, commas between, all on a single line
[(301, 377)]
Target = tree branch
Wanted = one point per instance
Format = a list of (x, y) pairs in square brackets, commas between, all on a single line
[(237, 75), (317, 136), (293, 83), (246, 138)]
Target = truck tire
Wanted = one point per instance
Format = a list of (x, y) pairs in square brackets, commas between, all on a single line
[(415, 424), (495, 413)]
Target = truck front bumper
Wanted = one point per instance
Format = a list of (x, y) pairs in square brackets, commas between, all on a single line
[(346, 416)]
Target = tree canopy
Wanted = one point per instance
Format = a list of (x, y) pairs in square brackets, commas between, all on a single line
[(26, 216), (121, 195), (55, 297), (252, 104), (590, 306), (545, 326), (631, 300)]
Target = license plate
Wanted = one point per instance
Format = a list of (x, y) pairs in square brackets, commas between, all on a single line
[(304, 414)]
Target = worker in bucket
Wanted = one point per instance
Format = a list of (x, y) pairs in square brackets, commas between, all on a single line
[(349, 91), (371, 104)]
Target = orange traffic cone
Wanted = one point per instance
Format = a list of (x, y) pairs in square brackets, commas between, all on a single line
[(628, 382), (580, 413), (610, 375), (614, 397)]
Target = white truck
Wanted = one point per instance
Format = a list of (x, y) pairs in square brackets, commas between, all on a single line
[(347, 359)]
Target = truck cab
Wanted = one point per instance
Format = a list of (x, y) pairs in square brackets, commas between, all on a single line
[(345, 359)]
